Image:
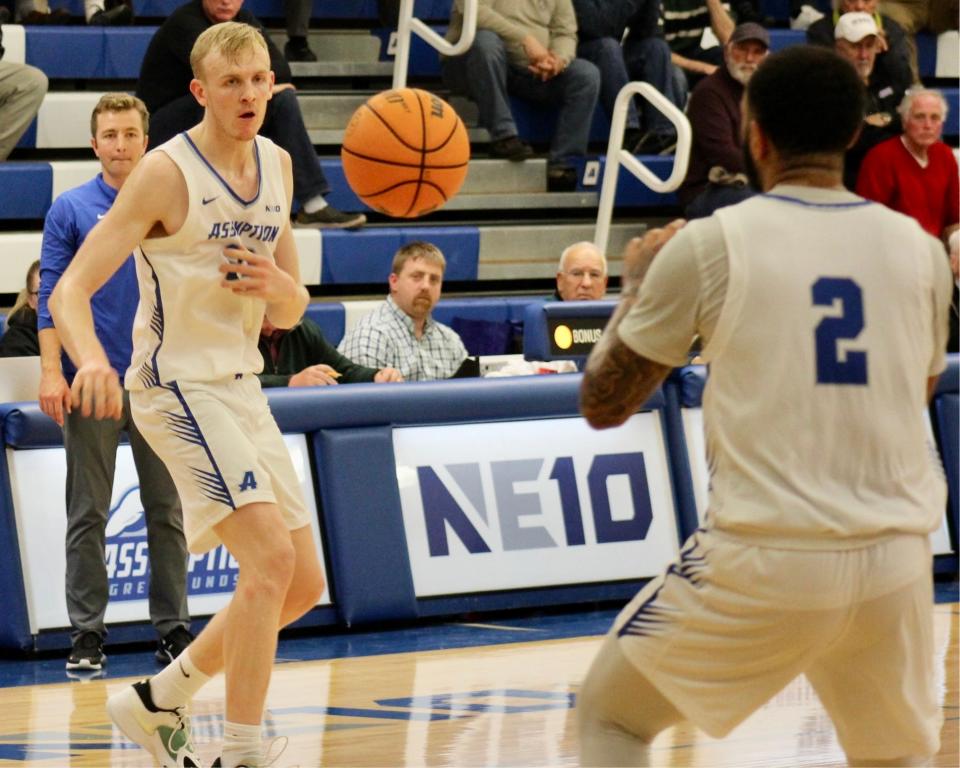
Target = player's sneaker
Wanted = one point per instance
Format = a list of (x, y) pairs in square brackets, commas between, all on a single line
[(164, 733), (87, 652)]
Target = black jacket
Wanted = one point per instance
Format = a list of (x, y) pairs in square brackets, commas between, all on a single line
[(20, 339), (165, 73)]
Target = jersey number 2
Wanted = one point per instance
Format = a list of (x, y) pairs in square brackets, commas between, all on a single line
[(831, 369)]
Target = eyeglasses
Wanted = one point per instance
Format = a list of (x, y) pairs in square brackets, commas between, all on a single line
[(579, 274)]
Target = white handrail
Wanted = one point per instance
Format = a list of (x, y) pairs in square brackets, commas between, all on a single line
[(617, 156), (407, 25)]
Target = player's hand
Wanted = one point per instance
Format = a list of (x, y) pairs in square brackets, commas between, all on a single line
[(640, 252), (96, 391), (387, 376), (54, 395), (278, 87), (249, 274), (315, 376)]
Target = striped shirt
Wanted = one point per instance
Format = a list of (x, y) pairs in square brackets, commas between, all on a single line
[(385, 338)]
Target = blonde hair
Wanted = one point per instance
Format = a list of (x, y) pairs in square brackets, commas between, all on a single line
[(230, 39), (418, 249), (24, 294), (119, 102)]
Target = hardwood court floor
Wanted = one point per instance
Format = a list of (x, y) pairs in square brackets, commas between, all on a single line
[(492, 705)]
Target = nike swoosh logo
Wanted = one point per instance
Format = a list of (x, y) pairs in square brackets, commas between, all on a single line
[(101, 215), (182, 672), (208, 200)]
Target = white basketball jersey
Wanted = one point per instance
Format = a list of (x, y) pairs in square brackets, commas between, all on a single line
[(815, 401), (187, 326)]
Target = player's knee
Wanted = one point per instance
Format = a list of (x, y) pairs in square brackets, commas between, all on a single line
[(271, 575)]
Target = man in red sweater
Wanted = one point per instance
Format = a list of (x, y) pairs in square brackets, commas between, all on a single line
[(916, 173)]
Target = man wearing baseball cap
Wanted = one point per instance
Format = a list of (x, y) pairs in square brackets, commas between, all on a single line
[(856, 38), (716, 173)]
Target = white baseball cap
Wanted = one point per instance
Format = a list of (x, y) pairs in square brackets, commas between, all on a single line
[(853, 27)]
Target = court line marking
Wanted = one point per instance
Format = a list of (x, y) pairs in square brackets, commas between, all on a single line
[(499, 626)]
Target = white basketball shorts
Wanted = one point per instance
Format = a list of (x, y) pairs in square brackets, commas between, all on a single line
[(223, 449), (730, 624)]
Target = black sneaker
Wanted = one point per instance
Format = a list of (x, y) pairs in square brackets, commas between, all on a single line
[(511, 148), (297, 49), (560, 178), (656, 144), (173, 644), (329, 218), (87, 651), (116, 14)]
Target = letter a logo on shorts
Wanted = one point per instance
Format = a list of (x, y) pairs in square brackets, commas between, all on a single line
[(249, 482)]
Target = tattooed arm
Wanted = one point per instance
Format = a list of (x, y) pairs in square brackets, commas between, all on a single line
[(617, 380)]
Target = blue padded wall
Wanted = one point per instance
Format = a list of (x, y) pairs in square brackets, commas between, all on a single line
[(331, 318), (15, 626), (363, 525), (26, 189), (345, 262)]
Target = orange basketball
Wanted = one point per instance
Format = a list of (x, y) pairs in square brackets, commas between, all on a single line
[(405, 152)]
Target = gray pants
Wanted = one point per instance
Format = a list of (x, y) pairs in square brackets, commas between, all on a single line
[(298, 17), (22, 89), (486, 75), (91, 448)]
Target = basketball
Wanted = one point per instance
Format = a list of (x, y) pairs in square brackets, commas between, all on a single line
[(405, 152)]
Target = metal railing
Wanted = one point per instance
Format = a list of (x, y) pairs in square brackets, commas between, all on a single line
[(407, 25), (617, 156)]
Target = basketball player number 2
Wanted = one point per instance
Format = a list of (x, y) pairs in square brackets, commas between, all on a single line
[(832, 368)]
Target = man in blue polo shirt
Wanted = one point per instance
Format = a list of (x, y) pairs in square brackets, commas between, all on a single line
[(119, 129)]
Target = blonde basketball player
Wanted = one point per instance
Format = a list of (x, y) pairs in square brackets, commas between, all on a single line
[(824, 320), (208, 214)]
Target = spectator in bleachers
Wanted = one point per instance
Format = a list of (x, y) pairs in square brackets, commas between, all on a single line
[(916, 173), (298, 27), (693, 29), (601, 25), (302, 357), (119, 129), (581, 273), (400, 333), (22, 89), (893, 52), (717, 172), (857, 40), (20, 338), (164, 85), (527, 48), (917, 15), (108, 13)]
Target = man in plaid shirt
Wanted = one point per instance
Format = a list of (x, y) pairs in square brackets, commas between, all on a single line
[(400, 333)]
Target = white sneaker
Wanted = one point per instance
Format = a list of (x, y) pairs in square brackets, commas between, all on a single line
[(808, 14), (164, 733)]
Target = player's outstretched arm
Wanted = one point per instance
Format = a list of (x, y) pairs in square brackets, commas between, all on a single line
[(617, 380), (153, 195)]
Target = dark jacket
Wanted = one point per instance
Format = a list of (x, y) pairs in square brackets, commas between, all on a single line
[(603, 18), (715, 119), (165, 73), (303, 346), (20, 339)]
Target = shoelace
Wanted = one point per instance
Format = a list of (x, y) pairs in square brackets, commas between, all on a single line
[(183, 724), (269, 757)]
